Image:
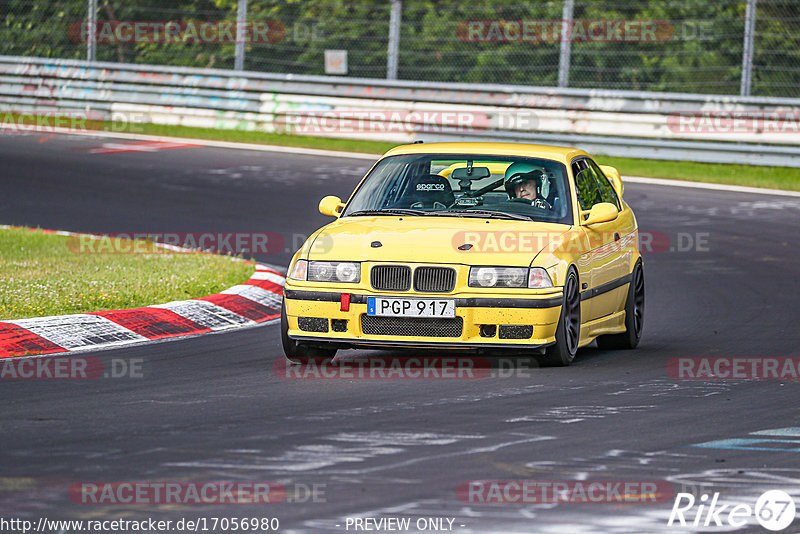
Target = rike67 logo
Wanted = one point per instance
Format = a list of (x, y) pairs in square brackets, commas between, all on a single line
[(774, 510)]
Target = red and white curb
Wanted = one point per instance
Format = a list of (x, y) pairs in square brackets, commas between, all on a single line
[(255, 301)]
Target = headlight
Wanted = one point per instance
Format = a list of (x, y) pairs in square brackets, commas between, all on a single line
[(299, 271), (498, 276), (333, 271), (509, 277)]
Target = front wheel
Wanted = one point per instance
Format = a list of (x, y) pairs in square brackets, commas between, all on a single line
[(569, 326), (298, 352), (634, 315)]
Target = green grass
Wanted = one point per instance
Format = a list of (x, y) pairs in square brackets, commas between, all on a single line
[(266, 138), (718, 173), (45, 274)]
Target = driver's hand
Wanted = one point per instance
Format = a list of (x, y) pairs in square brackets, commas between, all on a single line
[(541, 204)]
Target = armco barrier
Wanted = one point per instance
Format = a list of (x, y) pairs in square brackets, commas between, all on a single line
[(755, 130)]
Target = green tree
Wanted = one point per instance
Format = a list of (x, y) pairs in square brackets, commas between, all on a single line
[(699, 48)]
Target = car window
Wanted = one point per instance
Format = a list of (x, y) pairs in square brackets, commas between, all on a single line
[(386, 186), (465, 185), (585, 185), (607, 192)]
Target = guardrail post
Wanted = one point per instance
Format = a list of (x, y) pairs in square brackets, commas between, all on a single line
[(566, 43), (91, 34), (747, 52), (394, 39), (241, 20)]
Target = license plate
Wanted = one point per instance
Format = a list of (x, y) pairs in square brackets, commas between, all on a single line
[(402, 307)]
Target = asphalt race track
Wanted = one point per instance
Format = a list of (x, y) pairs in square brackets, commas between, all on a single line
[(721, 281)]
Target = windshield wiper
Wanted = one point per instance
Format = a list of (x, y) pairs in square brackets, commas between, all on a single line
[(482, 213), (389, 211)]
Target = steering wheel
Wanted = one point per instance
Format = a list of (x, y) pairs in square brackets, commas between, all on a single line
[(546, 205)]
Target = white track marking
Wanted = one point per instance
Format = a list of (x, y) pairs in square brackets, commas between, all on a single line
[(401, 438), (705, 185), (270, 276), (374, 157), (218, 144), (92, 332), (789, 431), (205, 313), (257, 294), (575, 414), (79, 331)]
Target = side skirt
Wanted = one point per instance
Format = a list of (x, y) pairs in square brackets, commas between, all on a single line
[(610, 324)]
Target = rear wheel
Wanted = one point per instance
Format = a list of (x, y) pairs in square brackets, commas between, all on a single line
[(634, 315), (299, 352), (569, 326)]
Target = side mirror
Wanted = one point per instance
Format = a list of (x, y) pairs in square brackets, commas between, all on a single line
[(601, 212), (331, 205), (613, 174)]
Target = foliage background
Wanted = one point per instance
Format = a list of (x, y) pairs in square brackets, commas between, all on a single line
[(703, 55)]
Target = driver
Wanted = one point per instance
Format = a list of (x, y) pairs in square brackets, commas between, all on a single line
[(524, 181)]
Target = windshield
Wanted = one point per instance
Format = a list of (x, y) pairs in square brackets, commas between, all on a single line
[(465, 186)]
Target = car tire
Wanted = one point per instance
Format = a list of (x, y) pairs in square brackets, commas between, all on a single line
[(569, 326), (299, 352), (634, 315)]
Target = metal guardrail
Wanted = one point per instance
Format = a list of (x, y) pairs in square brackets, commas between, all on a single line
[(618, 123)]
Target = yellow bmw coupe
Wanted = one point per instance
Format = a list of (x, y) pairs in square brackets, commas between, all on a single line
[(486, 246)]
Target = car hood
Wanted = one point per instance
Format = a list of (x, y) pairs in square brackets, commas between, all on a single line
[(434, 239)]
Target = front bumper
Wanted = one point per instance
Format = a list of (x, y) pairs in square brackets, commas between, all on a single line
[(535, 313)]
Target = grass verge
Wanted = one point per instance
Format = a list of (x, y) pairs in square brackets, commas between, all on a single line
[(42, 274), (266, 138), (787, 178)]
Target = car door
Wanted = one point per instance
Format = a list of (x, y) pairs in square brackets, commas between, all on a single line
[(605, 264), (619, 263)]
